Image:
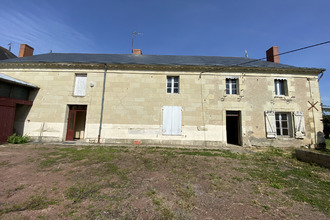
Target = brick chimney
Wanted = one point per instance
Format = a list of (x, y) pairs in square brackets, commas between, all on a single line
[(272, 55), (137, 51), (25, 51)]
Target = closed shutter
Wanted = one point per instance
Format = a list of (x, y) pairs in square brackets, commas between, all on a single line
[(270, 124), (299, 125), (80, 85), (167, 114), (172, 120)]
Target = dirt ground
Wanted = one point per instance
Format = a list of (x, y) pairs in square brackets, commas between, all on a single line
[(39, 181)]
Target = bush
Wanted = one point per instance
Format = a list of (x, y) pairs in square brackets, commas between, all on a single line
[(326, 123), (17, 139)]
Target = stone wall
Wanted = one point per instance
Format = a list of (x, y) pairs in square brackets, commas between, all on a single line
[(313, 157), (134, 100)]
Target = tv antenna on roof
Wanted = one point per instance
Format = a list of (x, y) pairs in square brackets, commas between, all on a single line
[(133, 35), (246, 53), (9, 48)]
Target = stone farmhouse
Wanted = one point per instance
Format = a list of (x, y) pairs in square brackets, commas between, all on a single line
[(142, 99)]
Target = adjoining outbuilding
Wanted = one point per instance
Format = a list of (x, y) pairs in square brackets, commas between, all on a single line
[(16, 99)]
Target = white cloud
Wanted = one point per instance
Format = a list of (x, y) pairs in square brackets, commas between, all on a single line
[(42, 29)]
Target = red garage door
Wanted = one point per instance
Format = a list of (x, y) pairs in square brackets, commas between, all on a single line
[(7, 116)]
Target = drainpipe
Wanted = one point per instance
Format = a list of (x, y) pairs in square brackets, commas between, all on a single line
[(102, 103), (315, 131), (318, 80)]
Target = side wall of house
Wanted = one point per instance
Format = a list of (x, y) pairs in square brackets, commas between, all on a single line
[(134, 101)]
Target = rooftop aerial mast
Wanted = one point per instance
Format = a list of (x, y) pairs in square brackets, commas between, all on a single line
[(133, 35)]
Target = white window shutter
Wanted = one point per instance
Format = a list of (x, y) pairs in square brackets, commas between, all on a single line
[(80, 85), (167, 112), (270, 124), (176, 120), (172, 120), (299, 125)]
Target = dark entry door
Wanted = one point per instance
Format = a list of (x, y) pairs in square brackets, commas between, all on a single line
[(71, 125), (233, 127), (73, 120)]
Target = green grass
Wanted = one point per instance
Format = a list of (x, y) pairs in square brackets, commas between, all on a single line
[(4, 163), (79, 191), (157, 201), (327, 142), (296, 179), (93, 155), (35, 202), (275, 168)]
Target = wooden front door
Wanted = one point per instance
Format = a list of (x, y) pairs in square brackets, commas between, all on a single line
[(72, 120)]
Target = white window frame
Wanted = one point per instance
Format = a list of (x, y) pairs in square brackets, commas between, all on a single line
[(279, 124), (295, 121), (230, 81), (80, 85), (281, 85), (170, 84)]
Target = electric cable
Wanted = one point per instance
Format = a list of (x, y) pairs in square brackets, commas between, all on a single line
[(287, 52)]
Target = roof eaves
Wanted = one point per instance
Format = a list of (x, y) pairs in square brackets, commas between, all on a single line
[(12, 80)]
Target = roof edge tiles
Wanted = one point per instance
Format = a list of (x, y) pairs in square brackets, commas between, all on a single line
[(152, 60), (12, 80)]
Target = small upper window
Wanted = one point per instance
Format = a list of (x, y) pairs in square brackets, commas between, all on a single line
[(231, 86), (281, 87), (172, 84), (80, 85)]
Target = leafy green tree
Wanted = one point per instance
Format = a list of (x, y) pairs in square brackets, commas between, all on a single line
[(326, 120)]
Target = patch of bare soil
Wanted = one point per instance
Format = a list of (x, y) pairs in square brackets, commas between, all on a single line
[(58, 182)]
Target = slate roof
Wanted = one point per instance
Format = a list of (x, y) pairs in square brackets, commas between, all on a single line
[(6, 54), (133, 59), (12, 80)]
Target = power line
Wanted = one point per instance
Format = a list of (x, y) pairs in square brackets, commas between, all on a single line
[(287, 52)]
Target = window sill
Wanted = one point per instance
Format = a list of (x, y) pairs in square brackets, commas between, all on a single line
[(78, 95), (281, 96), (285, 138), (231, 95), (173, 135)]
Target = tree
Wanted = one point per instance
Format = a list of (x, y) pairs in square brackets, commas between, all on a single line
[(326, 120)]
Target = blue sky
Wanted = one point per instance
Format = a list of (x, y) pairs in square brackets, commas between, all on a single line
[(173, 27)]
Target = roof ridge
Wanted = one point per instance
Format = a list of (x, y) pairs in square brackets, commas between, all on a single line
[(164, 60)]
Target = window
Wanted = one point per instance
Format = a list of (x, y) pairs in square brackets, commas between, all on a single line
[(172, 84), (5, 89), (80, 85), (281, 87), (172, 120), (231, 86), (282, 124), (14, 91)]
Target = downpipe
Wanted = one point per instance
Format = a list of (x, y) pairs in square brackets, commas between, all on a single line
[(102, 102)]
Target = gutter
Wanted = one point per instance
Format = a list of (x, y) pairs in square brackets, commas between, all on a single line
[(318, 80), (102, 103)]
